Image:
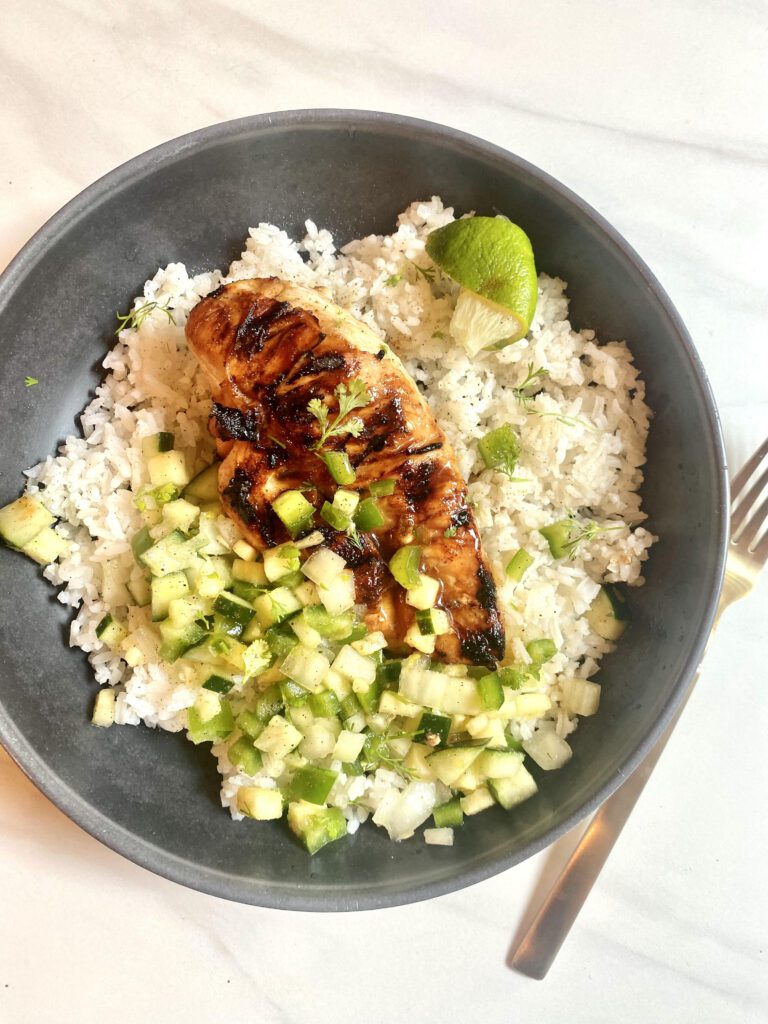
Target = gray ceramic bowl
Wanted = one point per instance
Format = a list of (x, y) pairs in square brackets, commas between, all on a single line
[(154, 797)]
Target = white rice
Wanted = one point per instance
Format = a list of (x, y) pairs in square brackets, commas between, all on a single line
[(582, 438)]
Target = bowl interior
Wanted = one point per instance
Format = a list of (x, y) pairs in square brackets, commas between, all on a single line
[(153, 796)]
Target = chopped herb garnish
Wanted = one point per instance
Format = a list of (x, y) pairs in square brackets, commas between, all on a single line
[(393, 280), (29, 382), (523, 392), (582, 533), (275, 440), (451, 531), (525, 396), (137, 317), (439, 334), (350, 397), (428, 273)]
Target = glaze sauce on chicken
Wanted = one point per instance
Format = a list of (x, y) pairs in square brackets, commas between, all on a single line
[(269, 348)]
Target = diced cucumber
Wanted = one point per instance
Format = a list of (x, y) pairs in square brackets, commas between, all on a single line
[(433, 729), (176, 640), (244, 756), (451, 763), (381, 488), (218, 684), (140, 590), (168, 468), (280, 561), (432, 622), (478, 800), (372, 646), (346, 501), (156, 443), (113, 590), (512, 791), (279, 737), (438, 836), (558, 536), (323, 565), (425, 594), (348, 746), (518, 565), (260, 803), (548, 750), (244, 551), (499, 764), (249, 572), (276, 606), (354, 666), (405, 564), (306, 667), (170, 554), (338, 594), (312, 784), (22, 520), (387, 703), (235, 612), (580, 697), (46, 547), (212, 541), (294, 511), (388, 673), (165, 589), (205, 486), (104, 708), (316, 827), (368, 515), (141, 542), (338, 465), (111, 632), (217, 727), (609, 613), (448, 815), (415, 638), (180, 514)]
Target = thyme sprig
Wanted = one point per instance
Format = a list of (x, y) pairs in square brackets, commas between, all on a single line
[(525, 396), (583, 533), (136, 317)]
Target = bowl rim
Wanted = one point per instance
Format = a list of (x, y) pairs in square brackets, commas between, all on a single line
[(331, 899)]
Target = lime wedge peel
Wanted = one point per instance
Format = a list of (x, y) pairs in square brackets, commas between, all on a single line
[(492, 259)]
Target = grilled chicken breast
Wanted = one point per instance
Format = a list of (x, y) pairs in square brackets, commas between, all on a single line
[(269, 348)]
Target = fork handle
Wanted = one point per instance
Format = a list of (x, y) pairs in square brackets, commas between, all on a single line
[(536, 951)]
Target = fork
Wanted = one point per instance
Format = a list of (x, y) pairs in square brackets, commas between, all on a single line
[(535, 953)]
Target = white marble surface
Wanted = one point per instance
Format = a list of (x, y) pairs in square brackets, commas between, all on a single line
[(655, 113)]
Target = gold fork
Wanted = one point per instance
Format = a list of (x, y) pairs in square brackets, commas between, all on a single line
[(535, 953)]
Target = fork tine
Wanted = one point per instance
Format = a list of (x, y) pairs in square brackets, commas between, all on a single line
[(754, 526), (740, 506), (741, 479), (761, 551)]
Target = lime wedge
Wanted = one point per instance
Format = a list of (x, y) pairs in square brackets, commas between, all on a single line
[(492, 259)]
